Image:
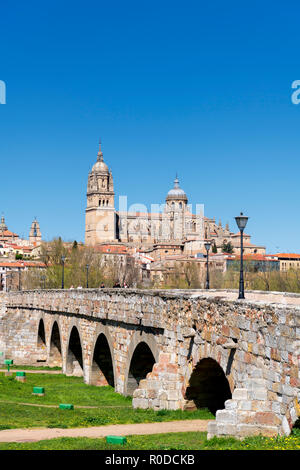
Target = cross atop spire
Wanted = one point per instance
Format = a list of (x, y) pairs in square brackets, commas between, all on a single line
[(100, 154), (176, 182)]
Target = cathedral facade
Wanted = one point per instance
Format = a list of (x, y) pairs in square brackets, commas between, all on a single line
[(173, 224)]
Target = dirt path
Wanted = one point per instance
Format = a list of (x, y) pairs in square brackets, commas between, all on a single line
[(56, 406), (38, 434)]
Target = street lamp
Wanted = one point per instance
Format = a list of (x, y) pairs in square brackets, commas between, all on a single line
[(87, 276), (207, 246), (241, 221), (63, 258)]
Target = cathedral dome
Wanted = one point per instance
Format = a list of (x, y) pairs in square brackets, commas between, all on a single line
[(176, 192), (100, 166)]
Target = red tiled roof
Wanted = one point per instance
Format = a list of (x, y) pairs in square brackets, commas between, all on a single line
[(22, 264), (287, 255), (8, 233), (254, 257), (114, 249)]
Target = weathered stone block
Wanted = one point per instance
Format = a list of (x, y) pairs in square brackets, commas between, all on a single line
[(226, 416), (240, 394), (226, 429), (244, 430), (231, 404)]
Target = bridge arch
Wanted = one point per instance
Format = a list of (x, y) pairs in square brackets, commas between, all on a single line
[(208, 386), (41, 341), (142, 355), (74, 356), (102, 360), (55, 346), (292, 416)]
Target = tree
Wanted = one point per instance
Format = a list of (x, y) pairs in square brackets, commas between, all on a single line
[(191, 274), (214, 248), (227, 247)]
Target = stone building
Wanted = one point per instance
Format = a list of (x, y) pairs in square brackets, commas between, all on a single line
[(288, 261), (35, 236), (11, 244), (173, 228)]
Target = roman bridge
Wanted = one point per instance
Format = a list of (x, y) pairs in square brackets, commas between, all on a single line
[(169, 349)]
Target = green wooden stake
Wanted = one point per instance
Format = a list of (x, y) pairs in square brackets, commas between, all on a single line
[(8, 362), (66, 406), (116, 440), (40, 391), (21, 376)]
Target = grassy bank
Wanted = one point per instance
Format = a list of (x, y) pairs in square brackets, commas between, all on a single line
[(170, 441), (108, 407)]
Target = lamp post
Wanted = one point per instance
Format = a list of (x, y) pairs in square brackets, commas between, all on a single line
[(87, 276), (63, 258), (44, 281), (241, 221), (207, 246)]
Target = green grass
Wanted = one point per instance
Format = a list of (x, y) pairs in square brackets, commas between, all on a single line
[(58, 389), (26, 367), (170, 441), (111, 408)]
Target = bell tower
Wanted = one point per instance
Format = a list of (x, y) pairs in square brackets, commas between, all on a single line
[(175, 209), (35, 236), (100, 222)]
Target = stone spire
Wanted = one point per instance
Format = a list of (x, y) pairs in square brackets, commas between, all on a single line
[(3, 227), (100, 153), (35, 236), (100, 166)]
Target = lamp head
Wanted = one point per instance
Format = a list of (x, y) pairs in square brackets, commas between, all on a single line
[(207, 246), (241, 221)]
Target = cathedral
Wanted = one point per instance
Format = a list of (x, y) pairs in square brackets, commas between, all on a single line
[(173, 225)]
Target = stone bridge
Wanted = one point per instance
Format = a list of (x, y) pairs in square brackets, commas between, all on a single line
[(169, 349)]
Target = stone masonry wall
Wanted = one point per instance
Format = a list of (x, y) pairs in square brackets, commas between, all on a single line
[(255, 343)]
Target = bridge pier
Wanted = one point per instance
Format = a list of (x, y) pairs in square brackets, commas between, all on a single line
[(162, 387), (244, 416)]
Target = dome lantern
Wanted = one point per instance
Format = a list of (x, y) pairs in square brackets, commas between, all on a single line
[(176, 193)]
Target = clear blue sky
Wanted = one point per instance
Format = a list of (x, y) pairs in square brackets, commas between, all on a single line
[(199, 88)]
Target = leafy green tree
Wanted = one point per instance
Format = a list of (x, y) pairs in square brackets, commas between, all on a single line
[(227, 247)]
